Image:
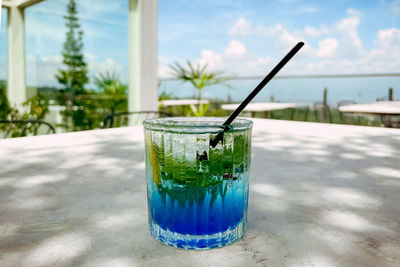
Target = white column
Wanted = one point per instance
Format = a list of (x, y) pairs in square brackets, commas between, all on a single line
[(16, 89), (143, 55)]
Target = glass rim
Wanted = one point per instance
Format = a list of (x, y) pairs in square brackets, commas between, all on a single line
[(196, 124)]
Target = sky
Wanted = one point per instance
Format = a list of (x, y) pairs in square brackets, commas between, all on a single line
[(3, 44), (250, 37), (240, 37)]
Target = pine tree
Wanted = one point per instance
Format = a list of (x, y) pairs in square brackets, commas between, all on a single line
[(74, 76)]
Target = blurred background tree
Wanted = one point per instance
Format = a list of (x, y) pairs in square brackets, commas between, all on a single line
[(5, 108), (109, 83), (113, 91), (74, 77), (199, 77)]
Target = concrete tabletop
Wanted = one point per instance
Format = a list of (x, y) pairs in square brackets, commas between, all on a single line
[(267, 106), (384, 108), (320, 195)]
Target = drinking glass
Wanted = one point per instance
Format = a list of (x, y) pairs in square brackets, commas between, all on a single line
[(197, 194)]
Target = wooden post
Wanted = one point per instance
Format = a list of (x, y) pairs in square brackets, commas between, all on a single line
[(325, 100), (229, 99), (325, 114), (390, 97)]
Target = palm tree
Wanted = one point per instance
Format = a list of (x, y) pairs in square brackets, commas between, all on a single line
[(199, 77), (110, 83)]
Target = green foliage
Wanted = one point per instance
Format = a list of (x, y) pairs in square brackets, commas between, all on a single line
[(38, 107), (220, 168), (165, 96), (91, 107), (5, 108), (74, 77), (85, 109), (110, 84), (212, 112), (198, 111), (113, 93), (199, 77)]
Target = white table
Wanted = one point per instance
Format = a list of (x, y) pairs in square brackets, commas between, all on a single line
[(265, 107), (320, 195), (385, 109), (183, 102)]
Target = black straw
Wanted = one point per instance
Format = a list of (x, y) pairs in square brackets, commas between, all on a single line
[(256, 90)]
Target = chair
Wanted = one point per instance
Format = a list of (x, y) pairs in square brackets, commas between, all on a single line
[(346, 118), (123, 118), (322, 112), (20, 128)]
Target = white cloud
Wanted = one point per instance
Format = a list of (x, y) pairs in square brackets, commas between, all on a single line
[(347, 28), (108, 64), (42, 70), (335, 48), (234, 60), (235, 48), (259, 62), (210, 58), (379, 59), (383, 57), (241, 27), (353, 12), (269, 31), (314, 32), (287, 39), (163, 69), (389, 38), (327, 47), (95, 67)]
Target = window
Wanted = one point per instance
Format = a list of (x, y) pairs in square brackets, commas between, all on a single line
[(98, 59), (105, 41)]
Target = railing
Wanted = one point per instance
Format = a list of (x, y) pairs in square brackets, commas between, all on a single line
[(362, 88)]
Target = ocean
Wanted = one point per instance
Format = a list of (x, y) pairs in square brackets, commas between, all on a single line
[(294, 89)]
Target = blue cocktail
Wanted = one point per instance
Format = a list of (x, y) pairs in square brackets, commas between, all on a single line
[(197, 194)]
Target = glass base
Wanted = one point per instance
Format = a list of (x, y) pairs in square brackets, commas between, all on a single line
[(198, 242)]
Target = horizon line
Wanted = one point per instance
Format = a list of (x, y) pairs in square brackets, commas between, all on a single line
[(308, 76)]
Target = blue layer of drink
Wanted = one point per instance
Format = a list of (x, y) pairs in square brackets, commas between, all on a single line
[(212, 216)]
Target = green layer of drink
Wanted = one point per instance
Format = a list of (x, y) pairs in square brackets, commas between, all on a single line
[(188, 160)]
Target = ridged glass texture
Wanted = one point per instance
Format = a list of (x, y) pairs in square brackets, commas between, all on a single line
[(197, 194)]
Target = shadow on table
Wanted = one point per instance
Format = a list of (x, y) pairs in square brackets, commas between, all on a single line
[(325, 199), (313, 200)]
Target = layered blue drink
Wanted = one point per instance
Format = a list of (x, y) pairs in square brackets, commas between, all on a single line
[(197, 194)]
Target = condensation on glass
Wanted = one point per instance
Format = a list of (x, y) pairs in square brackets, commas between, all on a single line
[(197, 195)]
